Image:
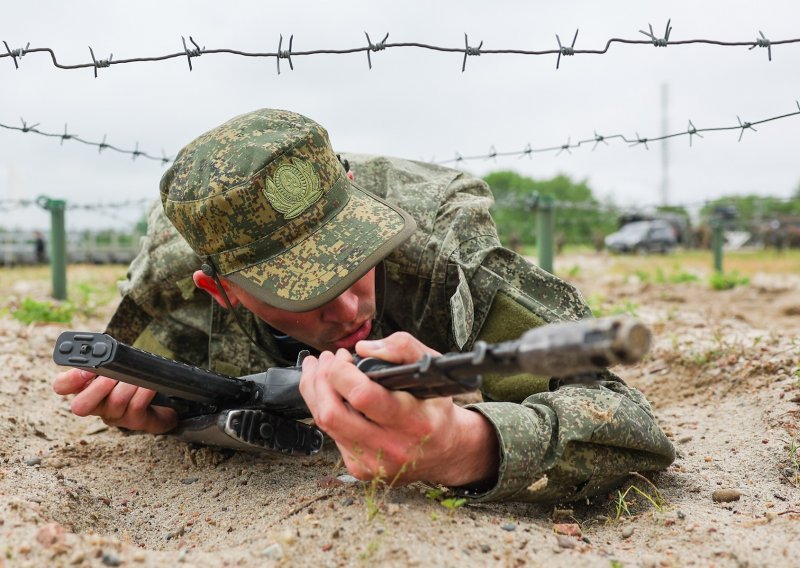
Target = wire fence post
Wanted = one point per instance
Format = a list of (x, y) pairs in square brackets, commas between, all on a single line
[(716, 243), (58, 244), (545, 223)]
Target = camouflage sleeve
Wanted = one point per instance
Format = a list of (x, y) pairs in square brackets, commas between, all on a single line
[(575, 442), (560, 445)]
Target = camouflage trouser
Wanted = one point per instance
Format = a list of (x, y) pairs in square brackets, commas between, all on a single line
[(583, 439)]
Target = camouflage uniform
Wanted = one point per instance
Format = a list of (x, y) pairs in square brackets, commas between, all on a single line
[(449, 284)]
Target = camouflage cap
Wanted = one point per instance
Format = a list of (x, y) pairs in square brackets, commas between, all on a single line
[(266, 200)]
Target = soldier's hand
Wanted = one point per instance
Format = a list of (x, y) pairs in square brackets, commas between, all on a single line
[(117, 403), (391, 434)]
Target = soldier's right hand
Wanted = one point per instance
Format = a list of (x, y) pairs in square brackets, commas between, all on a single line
[(115, 402)]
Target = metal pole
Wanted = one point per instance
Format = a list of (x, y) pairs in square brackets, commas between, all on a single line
[(716, 244), (545, 224), (58, 244)]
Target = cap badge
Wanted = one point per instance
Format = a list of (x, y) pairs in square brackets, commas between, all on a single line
[(293, 188)]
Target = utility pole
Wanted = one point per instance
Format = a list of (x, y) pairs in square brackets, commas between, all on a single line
[(664, 145)]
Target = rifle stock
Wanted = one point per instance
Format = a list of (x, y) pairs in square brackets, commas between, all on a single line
[(260, 411)]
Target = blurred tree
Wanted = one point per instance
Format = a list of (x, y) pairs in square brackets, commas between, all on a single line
[(514, 209)]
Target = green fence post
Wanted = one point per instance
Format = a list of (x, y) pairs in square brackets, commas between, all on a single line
[(58, 244), (716, 244), (545, 223)]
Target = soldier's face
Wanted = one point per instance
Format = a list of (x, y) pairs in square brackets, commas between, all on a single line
[(340, 323)]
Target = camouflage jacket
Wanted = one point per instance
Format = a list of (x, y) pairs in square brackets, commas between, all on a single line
[(450, 284)]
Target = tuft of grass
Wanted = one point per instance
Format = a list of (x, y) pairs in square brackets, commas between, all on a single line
[(596, 303), (43, 311), (627, 503), (727, 280), (450, 503)]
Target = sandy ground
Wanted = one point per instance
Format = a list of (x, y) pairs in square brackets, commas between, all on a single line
[(722, 377)]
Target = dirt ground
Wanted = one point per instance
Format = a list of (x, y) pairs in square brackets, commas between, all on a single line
[(722, 376)]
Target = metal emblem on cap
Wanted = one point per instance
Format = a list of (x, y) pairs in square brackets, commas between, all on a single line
[(293, 188)]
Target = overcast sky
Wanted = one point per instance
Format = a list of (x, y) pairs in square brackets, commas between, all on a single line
[(413, 103)]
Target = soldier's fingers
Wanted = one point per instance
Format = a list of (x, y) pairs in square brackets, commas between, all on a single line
[(400, 347), (160, 419), (72, 381), (87, 401), (326, 404), (368, 397), (141, 416), (116, 403)]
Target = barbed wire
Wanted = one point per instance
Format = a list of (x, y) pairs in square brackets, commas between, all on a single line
[(104, 145), (7, 205), (691, 131), (194, 51)]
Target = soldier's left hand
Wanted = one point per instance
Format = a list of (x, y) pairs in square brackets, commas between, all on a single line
[(392, 434)]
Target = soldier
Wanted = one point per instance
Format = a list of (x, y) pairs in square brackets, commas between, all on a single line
[(404, 262)]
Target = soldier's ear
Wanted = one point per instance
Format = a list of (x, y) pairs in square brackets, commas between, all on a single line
[(207, 283)]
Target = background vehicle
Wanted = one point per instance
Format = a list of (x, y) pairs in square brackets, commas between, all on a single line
[(643, 237)]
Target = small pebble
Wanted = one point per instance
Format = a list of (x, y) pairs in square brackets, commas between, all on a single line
[(485, 548), (273, 551), (347, 478), (725, 495), (347, 502), (568, 529), (33, 461), (565, 541), (189, 480), (111, 559), (627, 532), (509, 527)]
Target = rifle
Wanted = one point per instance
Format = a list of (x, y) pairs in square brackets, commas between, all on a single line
[(262, 411)]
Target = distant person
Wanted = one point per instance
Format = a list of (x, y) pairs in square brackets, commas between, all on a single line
[(39, 248)]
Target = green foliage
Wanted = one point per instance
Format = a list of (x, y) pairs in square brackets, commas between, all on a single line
[(596, 303), (449, 503), (30, 311), (517, 220), (660, 277), (751, 207), (727, 280)]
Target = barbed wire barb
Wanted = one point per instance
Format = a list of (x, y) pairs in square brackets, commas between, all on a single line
[(285, 54), (380, 46), (101, 62), (102, 145), (565, 51), (196, 52), (16, 53), (763, 42), (597, 140), (26, 128), (692, 131), (65, 136), (470, 51), (659, 42), (565, 147), (743, 126)]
